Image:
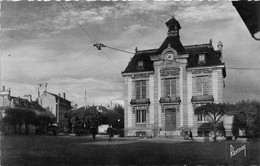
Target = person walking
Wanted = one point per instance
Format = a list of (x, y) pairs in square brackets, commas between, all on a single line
[(93, 132), (191, 137), (110, 132)]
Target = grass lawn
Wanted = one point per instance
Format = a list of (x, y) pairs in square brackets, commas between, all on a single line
[(82, 150)]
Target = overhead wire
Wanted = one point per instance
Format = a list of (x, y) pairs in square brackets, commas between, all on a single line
[(242, 68), (94, 40), (120, 50), (91, 32), (70, 65), (68, 11)]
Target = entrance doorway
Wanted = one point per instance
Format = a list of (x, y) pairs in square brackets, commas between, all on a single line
[(170, 119)]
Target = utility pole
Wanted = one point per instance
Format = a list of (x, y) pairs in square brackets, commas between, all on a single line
[(85, 98)]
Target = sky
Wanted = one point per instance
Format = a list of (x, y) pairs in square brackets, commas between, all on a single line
[(53, 42)]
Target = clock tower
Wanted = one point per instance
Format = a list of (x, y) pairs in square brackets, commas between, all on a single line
[(173, 37)]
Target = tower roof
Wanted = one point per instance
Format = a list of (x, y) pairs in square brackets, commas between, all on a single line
[(173, 22)]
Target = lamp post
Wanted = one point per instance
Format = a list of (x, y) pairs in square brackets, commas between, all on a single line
[(118, 123)]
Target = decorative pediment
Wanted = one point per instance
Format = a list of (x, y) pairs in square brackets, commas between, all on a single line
[(140, 76), (173, 107), (168, 54), (171, 71), (140, 101), (140, 107), (169, 100)]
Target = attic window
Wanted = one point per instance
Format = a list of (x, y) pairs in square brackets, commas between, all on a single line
[(140, 65), (201, 59)]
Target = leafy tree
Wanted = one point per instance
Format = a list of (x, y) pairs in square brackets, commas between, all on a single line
[(215, 112), (28, 118), (13, 117), (119, 109), (247, 116)]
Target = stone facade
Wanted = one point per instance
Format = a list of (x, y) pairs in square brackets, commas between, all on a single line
[(163, 86), (56, 104)]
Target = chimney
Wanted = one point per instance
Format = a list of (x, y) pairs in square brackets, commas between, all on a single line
[(64, 95), (9, 92), (3, 88), (220, 45), (59, 94)]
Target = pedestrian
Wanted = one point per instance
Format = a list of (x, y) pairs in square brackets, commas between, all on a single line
[(191, 135), (110, 132), (93, 132)]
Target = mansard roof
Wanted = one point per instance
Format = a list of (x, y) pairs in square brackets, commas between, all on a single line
[(144, 56), (212, 58), (174, 42)]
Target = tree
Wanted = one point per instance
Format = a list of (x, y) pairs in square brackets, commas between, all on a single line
[(13, 116), (215, 112), (120, 110), (28, 118), (45, 119), (247, 116)]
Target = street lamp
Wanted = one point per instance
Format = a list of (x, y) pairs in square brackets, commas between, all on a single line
[(118, 120)]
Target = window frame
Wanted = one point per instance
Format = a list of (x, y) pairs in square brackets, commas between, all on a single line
[(140, 89), (141, 116), (204, 82), (201, 58), (140, 65), (172, 83)]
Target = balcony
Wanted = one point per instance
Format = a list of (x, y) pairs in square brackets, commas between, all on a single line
[(202, 98), (140, 101), (170, 100)]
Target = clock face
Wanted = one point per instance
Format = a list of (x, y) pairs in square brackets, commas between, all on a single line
[(169, 56)]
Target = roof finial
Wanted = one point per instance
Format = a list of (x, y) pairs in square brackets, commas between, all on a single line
[(136, 49), (210, 41), (172, 10)]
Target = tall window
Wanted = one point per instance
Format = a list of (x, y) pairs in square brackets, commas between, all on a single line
[(140, 116), (170, 87), (202, 85), (140, 89)]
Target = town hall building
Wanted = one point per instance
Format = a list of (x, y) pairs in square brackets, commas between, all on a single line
[(163, 86)]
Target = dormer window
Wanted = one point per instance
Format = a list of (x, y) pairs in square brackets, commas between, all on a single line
[(140, 65), (201, 59)]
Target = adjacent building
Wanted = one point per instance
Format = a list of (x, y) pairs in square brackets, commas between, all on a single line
[(20, 103), (162, 86), (56, 104), (24, 102)]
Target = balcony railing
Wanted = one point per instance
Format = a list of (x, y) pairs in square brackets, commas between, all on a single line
[(202, 98), (140, 101), (170, 100)]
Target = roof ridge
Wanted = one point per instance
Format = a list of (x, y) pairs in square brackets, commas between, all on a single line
[(57, 96), (147, 51), (197, 45)]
